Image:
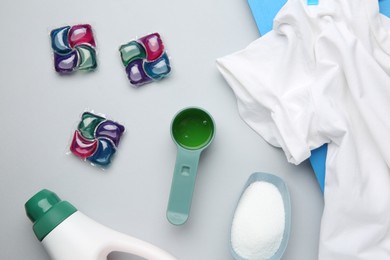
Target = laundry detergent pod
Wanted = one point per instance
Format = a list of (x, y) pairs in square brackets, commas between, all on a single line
[(74, 48), (145, 59), (96, 139)]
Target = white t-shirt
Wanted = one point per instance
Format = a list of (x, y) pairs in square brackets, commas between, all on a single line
[(322, 76)]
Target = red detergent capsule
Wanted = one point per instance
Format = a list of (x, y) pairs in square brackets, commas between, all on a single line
[(81, 34), (153, 45), (82, 147)]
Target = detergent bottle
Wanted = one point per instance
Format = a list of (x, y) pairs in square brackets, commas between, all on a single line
[(68, 234)]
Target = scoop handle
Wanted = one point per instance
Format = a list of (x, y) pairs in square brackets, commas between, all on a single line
[(183, 184)]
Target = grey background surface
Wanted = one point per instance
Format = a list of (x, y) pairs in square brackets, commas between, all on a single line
[(39, 111)]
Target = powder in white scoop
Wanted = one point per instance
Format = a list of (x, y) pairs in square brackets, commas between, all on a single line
[(258, 223)]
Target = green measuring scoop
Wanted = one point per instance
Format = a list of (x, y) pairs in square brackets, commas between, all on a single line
[(192, 130)]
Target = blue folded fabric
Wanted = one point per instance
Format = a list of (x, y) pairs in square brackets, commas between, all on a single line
[(264, 12)]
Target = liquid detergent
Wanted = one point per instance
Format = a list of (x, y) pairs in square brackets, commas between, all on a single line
[(68, 234)]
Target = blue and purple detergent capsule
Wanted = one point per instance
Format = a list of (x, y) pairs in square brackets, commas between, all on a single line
[(74, 48), (96, 139), (145, 59)]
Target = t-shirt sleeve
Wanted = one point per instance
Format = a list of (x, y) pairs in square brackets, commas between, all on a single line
[(271, 79)]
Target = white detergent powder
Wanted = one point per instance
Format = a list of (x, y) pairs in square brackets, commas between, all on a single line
[(259, 220)]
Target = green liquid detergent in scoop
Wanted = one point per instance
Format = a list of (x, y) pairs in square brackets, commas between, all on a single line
[(192, 129), (68, 234)]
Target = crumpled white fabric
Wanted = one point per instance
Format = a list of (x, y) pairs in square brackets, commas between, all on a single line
[(322, 76)]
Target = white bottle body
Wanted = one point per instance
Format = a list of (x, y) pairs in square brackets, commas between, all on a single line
[(80, 237)]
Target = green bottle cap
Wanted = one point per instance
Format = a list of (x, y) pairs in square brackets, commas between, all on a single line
[(46, 210)]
